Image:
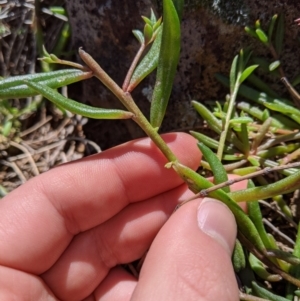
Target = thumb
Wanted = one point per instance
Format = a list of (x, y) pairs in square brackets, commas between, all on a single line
[(190, 258)]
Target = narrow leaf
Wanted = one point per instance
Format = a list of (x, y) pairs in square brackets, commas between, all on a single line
[(232, 76), (220, 174), (147, 64), (247, 72), (139, 35), (179, 8), (257, 218), (266, 294), (148, 33), (274, 65), (19, 80), (23, 91), (250, 32), (77, 107), (238, 257), (262, 36), (239, 120), (167, 63), (208, 116), (283, 108), (197, 183), (153, 17), (271, 27), (147, 20), (285, 185), (258, 267), (157, 24)]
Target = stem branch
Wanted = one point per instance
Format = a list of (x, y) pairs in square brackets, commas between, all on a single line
[(132, 67), (128, 102)]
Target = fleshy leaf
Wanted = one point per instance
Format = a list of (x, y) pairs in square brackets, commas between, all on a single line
[(167, 63), (77, 107), (147, 64), (247, 72), (139, 35), (274, 65), (262, 36)]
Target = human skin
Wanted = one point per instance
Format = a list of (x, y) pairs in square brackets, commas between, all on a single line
[(64, 234)]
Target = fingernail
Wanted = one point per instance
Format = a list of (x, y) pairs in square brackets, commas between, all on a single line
[(216, 220)]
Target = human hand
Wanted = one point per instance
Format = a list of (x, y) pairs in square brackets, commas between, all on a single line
[(64, 234)]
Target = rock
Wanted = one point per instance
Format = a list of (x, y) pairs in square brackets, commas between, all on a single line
[(212, 34)]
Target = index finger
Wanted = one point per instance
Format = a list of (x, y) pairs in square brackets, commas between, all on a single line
[(38, 220)]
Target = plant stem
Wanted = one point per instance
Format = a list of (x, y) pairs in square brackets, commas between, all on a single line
[(228, 117), (128, 102), (246, 297), (263, 256), (132, 67), (262, 172)]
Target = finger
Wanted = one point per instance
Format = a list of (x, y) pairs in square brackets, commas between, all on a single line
[(118, 285), (38, 220), (18, 285), (122, 239), (190, 259)]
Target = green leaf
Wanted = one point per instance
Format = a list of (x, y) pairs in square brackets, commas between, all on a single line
[(58, 10), (139, 35), (257, 24), (266, 294), (247, 72), (179, 7), (232, 76), (208, 116), (274, 65), (148, 33), (241, 65), (147, 21), (283, 108), (254, 161), (15, 88), (197, 183), (255, 215), (45, 52), (271, 27), (238, 257), (167, 63), (250, 32), (147, 64), (240, 120), (220, 174), (157, 24), (77, 107), (262, 36), (258, 267), (209, 142), (285, 185), (153, 17), (14, 81)]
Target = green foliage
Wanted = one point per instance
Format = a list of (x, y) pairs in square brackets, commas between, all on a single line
[(251, 136), (167, 62)]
